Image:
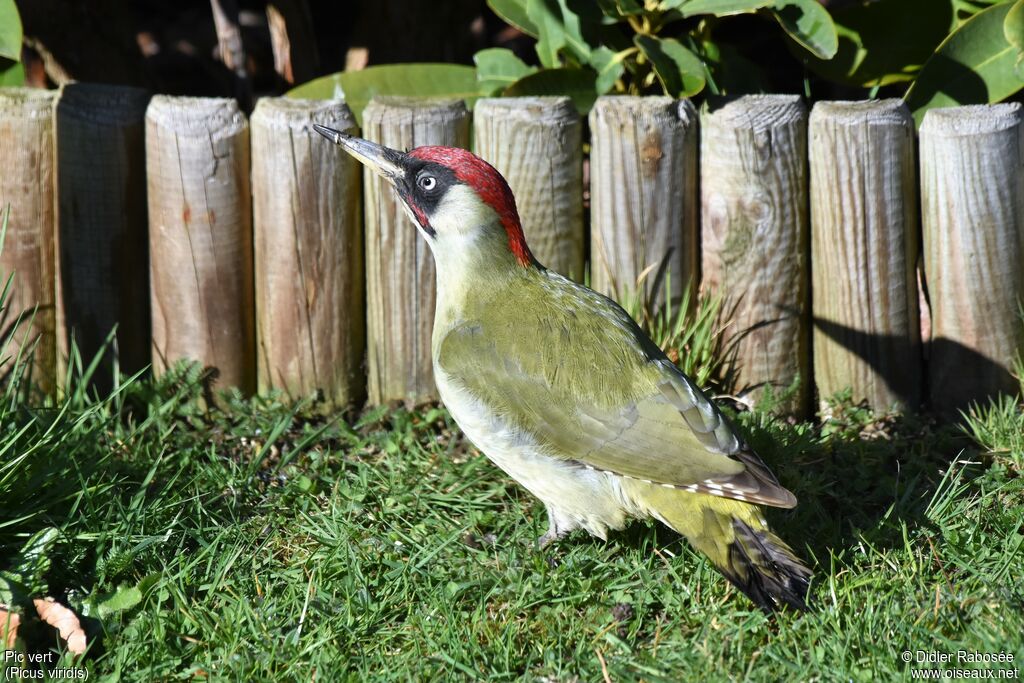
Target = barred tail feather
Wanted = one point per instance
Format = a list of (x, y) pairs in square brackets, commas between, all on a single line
[(765, 569), (736, 539)]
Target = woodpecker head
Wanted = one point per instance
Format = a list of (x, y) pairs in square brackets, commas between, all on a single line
[(460, 203)]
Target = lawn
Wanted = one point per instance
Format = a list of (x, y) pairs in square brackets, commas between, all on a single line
[(256, 541), (198, 534)]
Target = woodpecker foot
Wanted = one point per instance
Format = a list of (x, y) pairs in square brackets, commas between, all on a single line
[(558, 526), (547, 539)]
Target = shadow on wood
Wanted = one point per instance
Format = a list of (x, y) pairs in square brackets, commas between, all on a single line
[(864, 244), (103, 277), (979, 377)]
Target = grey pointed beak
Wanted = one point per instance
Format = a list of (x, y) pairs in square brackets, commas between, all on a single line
[(382, 160)]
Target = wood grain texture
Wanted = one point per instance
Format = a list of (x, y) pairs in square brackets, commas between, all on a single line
[(27, 186), (400, 290), (308, 234), (200, 236), (101, 217), (864, 251), (755, 239), (972, 199), (537, 144), (643, 195)]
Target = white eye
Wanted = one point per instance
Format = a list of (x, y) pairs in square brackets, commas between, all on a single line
[(428, 183)]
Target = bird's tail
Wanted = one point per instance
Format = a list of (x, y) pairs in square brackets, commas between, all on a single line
[(736, 538)]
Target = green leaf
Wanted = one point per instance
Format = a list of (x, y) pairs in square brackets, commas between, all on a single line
[(103, 605), (149, 582), (577, 84), (35, 552), (513, 13), (497, 68), (965, 9), (124, 598), (24, 576), (559, 29), (719, 8), (546, 16), (681, 72), (33, 561), (1013, 25), (1013, 29), (609, 67), (628, 7), (874, 45), (617, 9), (809, 24), (733, 73), (409, 80), (974, 65), (10, 31), (11, 73), (11, 590)]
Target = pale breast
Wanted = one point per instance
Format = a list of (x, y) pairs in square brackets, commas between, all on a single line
[(593, 500)]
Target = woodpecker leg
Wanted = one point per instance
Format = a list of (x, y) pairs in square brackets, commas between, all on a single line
[(558, 526), (550, 537)]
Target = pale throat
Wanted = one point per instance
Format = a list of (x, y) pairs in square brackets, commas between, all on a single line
[(471, 252)]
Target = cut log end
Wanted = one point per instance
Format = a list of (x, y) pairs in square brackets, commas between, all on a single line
[(534, 110), (855, 113), (978, 119), (196, 116), (757, 112), (285, 113)]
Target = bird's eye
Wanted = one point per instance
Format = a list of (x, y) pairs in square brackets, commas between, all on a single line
[(427, 183)]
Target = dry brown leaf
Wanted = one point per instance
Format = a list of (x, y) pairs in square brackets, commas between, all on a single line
[(64, 620), (9, 624)]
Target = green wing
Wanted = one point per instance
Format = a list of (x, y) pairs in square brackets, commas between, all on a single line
[(596, 391)]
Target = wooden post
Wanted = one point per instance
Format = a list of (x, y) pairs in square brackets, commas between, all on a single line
[(307, 216), (101, 213), (972, 198), (755, 238), (643, 196), (399, 267), (536, 143), (26, 185), (864, 251), (200, 236)]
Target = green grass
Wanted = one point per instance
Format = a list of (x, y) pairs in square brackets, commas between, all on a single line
[(268, 546), (250, 542)]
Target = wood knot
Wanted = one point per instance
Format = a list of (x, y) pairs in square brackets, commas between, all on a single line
[(651, 154)]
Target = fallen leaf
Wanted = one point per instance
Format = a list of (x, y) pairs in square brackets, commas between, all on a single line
[(9, 624), (64, 620)]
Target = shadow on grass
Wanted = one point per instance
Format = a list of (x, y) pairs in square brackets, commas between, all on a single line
[(856, 480)]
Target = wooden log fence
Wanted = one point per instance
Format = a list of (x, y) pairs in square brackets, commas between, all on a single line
[(315, 282), (200, 236), (643, 196), (399, 268), (754, 241), (103, 255), (537, 144), (27, 191), (972, 199), (308, 232), (864, 251)]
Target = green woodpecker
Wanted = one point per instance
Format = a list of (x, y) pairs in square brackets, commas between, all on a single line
[(562, 390)]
